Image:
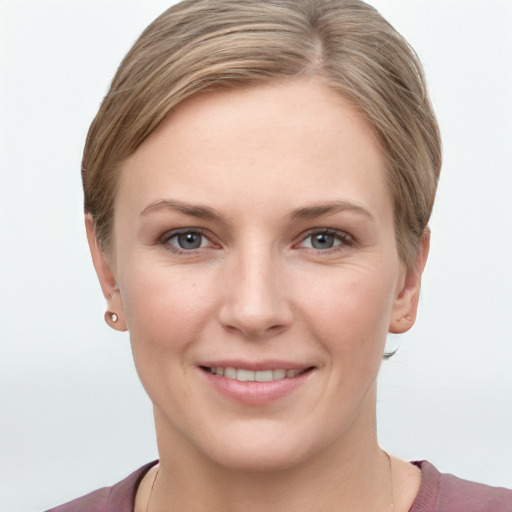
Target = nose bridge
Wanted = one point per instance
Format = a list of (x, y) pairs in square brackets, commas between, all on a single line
[(255, 300)]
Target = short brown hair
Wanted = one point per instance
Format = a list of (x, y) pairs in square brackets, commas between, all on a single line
[(204, 45)]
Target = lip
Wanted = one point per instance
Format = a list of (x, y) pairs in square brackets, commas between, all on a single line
[(255, 393), (269, 364)]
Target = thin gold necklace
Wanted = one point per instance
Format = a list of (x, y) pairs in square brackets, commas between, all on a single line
[(152, 487), (391, 485)]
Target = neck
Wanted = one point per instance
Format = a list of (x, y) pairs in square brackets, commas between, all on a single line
[(351, 475)]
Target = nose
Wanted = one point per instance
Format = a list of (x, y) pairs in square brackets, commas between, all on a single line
[(255, 302)]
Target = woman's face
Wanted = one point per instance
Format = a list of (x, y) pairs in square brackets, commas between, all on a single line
[(256, 269)]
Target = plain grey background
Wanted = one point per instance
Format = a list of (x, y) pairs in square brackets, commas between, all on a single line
[(73, 414)]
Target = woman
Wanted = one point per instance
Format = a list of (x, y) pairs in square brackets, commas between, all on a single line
[(258, 184)]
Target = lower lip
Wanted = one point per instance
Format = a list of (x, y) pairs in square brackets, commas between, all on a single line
[(255, 393)]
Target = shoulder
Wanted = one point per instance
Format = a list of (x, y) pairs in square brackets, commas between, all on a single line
[(118, 498), (443, 492), (95, 501)]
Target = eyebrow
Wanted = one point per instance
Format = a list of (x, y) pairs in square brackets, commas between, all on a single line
[(193, 210), (328, 208), (307, 212)]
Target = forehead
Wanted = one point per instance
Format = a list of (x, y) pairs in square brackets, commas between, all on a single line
[(289, 143)]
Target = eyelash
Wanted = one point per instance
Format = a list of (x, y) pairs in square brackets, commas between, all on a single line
[(170, 235), (344, 239)]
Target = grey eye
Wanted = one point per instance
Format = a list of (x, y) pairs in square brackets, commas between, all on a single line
[(188, 241), (325, 239), (322, 241)]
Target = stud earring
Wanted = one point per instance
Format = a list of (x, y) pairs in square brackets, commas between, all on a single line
[(111, 317)]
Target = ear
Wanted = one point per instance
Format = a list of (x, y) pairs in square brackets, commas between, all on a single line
[(405, 306), (115, 312)]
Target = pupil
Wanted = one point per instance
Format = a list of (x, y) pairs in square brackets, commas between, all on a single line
[(322, 241), (189, 240)]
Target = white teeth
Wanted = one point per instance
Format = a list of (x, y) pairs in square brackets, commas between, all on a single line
[(264, 376), (279, 374), (230, 373), (243, 375)]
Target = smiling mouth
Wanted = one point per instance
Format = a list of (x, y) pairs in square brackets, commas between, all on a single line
[(243, 375)]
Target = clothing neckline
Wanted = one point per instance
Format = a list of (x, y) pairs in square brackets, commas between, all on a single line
[(425, 498)]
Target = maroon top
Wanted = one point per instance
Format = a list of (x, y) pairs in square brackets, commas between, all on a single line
[(439, 492)]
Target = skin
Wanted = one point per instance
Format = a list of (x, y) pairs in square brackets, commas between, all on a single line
[(276, 164)]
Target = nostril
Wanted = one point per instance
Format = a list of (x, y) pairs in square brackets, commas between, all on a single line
[(254, 309)]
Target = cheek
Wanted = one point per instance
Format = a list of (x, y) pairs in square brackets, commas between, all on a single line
[(351, 312), (166, 312), (165, 307)]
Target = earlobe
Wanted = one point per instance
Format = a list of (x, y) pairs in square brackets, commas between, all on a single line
[(405, 306), (115, 311)]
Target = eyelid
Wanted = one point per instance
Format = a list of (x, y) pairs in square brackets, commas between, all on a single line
[(168, 235), (180, 231), (346, 239)]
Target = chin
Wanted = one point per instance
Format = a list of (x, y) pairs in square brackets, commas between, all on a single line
[(262, 446), (260, 458)]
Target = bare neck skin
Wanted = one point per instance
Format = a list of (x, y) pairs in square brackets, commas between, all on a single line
[(352, 476)]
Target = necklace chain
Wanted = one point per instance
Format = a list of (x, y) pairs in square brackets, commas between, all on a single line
[(152, 487), (391, 485)]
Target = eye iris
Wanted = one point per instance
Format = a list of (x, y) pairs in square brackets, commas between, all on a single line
[(189, 240), (322, 241)]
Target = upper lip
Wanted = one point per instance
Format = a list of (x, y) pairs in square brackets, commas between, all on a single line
[(255, 365)]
